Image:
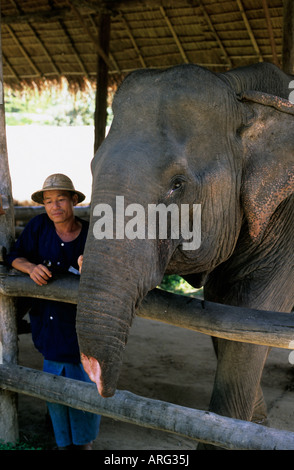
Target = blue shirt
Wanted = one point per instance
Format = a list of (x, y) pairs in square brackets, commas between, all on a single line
[(52, 322)]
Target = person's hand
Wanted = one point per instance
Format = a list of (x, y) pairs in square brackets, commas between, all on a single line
[(40, 274), (80, 262)]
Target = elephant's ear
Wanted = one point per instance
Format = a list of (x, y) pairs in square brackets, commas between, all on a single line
[(268, 170)]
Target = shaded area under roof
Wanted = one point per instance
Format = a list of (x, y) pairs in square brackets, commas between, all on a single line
[(47, 39)]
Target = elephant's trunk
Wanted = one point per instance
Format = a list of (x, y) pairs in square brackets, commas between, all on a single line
[(102, 337), (112, 283), (121, 262)]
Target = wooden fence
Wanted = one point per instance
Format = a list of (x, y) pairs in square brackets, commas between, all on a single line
[(237, 324)]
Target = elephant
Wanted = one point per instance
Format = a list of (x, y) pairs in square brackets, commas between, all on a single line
[(186, 136)]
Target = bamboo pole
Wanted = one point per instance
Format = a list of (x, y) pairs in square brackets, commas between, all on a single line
[(25, 213), (199, 425), (270, 32), (102, 81), (8, 335), (288, 37), (267, 328)]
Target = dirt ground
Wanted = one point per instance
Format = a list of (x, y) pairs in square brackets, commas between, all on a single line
[(165, 363)]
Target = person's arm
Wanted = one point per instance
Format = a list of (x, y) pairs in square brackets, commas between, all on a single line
[(37, 272)]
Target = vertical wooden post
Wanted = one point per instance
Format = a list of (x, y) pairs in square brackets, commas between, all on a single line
[(8, 330), (288, 37), (102, 81)]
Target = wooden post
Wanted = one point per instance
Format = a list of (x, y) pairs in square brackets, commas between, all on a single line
[(288, 37), (102, 81), (8, 331)]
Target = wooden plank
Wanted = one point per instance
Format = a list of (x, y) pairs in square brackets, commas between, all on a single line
[(99, 50), (233, 323), (198, 425), (270, 32), (132, 39), (216, 35), (266, 328), (8, 334), (288, 37), (23, 51), (102, 81), (174, 34), (63, 289), (25, 213), (249, 30)]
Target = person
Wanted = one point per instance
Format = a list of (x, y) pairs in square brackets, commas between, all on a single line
[(51, 244)]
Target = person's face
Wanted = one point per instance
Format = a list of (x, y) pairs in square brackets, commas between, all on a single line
[(59, 205)]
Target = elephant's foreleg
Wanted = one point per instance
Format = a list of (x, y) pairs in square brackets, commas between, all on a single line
[(259, 414), (236, 387), (237, 391)]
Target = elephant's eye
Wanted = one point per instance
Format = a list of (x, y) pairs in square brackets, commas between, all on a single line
[(177, 183)]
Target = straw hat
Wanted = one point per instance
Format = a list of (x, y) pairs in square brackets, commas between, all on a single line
[(57, 182)]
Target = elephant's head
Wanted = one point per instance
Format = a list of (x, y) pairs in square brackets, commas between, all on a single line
[(179, 137)]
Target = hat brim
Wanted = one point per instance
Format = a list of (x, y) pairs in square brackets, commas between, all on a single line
[(38, 195)]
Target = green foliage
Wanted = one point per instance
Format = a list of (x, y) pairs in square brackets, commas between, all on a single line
[(56, 106), (20, 446), (176, 284)]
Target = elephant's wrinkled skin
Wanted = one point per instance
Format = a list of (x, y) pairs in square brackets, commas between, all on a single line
[(184, 135)]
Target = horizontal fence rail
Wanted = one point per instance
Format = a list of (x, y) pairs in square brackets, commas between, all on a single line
[(266, 328), (199, 425), (25, 213), (233, 323)]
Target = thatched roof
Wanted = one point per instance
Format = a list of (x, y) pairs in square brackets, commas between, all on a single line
[(47, 39)]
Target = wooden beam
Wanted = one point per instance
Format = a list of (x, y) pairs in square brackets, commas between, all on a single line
[(37, 17), (223, 321), (44, 49), (23, 51), (90, 7), (130, 34), (288, 37), (37, 38), (249, 30), (213, 30), (100, 116), (25, 213), (94, 40), (198, 425), (270, 32), (174, 34), (12, 71), (111, 56), (8, 333), (76, 53)]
